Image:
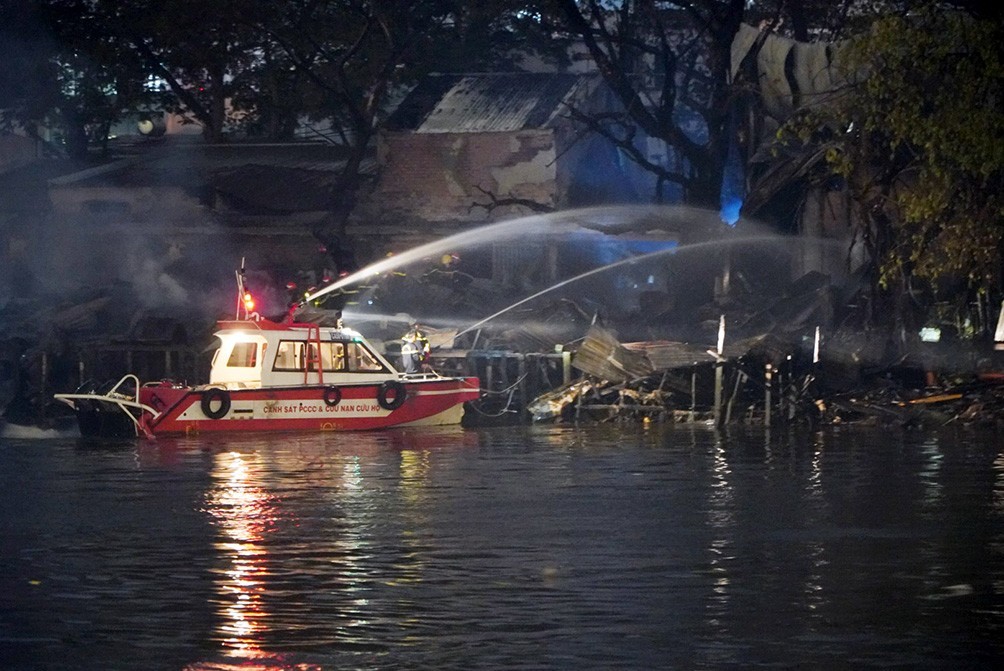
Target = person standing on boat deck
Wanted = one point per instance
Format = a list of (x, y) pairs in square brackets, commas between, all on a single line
[(424, 348), (415, 351), (409, 353)]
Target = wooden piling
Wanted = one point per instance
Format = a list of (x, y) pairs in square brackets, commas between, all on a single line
[(740, 379), (719, 372)]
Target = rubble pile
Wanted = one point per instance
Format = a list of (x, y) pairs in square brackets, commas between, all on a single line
[(620, 383), (786, 360)]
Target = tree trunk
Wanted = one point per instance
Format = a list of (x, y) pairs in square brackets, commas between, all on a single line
[(213, 131), (76, 134)]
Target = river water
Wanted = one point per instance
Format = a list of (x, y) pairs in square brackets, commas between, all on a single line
[(542, 547)]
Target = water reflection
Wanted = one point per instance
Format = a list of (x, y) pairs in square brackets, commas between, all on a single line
[(360, 527), (997, 506), (813, 594), (720, 551), (545, 548), (930, 471), (245, 513), (351, 550)]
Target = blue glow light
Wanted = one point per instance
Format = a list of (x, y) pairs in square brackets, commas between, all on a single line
[(731, 205)]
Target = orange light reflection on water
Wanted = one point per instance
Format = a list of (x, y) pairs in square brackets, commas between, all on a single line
[(244, 513)]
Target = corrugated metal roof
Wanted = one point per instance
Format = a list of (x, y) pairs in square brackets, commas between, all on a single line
[(664, 355), (483, 103), (600, 355)]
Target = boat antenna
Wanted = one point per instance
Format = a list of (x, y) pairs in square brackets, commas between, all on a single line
[(245, 301)]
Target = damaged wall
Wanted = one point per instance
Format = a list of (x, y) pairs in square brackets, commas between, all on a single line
[(789, 75), (827, 218), (439, 176), (459, 143)]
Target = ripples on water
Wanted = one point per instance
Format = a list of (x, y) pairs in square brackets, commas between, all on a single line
[(536, 547)]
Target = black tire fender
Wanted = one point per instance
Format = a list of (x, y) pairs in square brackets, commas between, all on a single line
[(211, 396), (387, 390), (332, 396)]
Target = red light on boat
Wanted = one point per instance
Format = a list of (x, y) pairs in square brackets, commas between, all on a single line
[(248, 301)]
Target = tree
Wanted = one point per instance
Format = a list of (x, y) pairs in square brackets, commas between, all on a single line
[(667, 65), (355, 57), (61, 70), (918, 141), (203, 52)]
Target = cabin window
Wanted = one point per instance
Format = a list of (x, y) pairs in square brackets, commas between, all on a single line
[(361, 359), (293, 356), (335, 357), (332, 357), (289, 356), (243, 355)]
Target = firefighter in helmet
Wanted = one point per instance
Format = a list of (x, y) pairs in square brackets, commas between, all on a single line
[(415, 351)]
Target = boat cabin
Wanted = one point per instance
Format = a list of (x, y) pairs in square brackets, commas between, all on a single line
[(254, 354)]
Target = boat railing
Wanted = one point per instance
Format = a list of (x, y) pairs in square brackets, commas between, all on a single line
[(418, 377), (119, 397)]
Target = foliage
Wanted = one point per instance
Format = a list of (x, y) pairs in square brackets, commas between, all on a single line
[(919, 140), (668, 65), (934, 96), (62, 72), (239, 65)]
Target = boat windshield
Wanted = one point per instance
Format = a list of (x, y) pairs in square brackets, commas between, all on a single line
[(362, 359), (243, 355)]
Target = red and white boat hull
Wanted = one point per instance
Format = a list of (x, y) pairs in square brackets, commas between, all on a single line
[(346, 407)]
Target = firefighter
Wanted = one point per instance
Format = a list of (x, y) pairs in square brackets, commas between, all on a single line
[(415, 351)]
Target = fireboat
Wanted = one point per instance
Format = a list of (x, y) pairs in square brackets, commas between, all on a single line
[(277, 376)]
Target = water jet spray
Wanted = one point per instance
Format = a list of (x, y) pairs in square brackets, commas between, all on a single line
[(617, 264)]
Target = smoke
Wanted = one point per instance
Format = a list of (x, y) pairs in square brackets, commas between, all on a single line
[(154, 286)]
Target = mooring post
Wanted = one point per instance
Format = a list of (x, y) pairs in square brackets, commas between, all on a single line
[(791, 392), (566, 367), (719, 371), (768, 374), (815, 358), (740, 379)]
